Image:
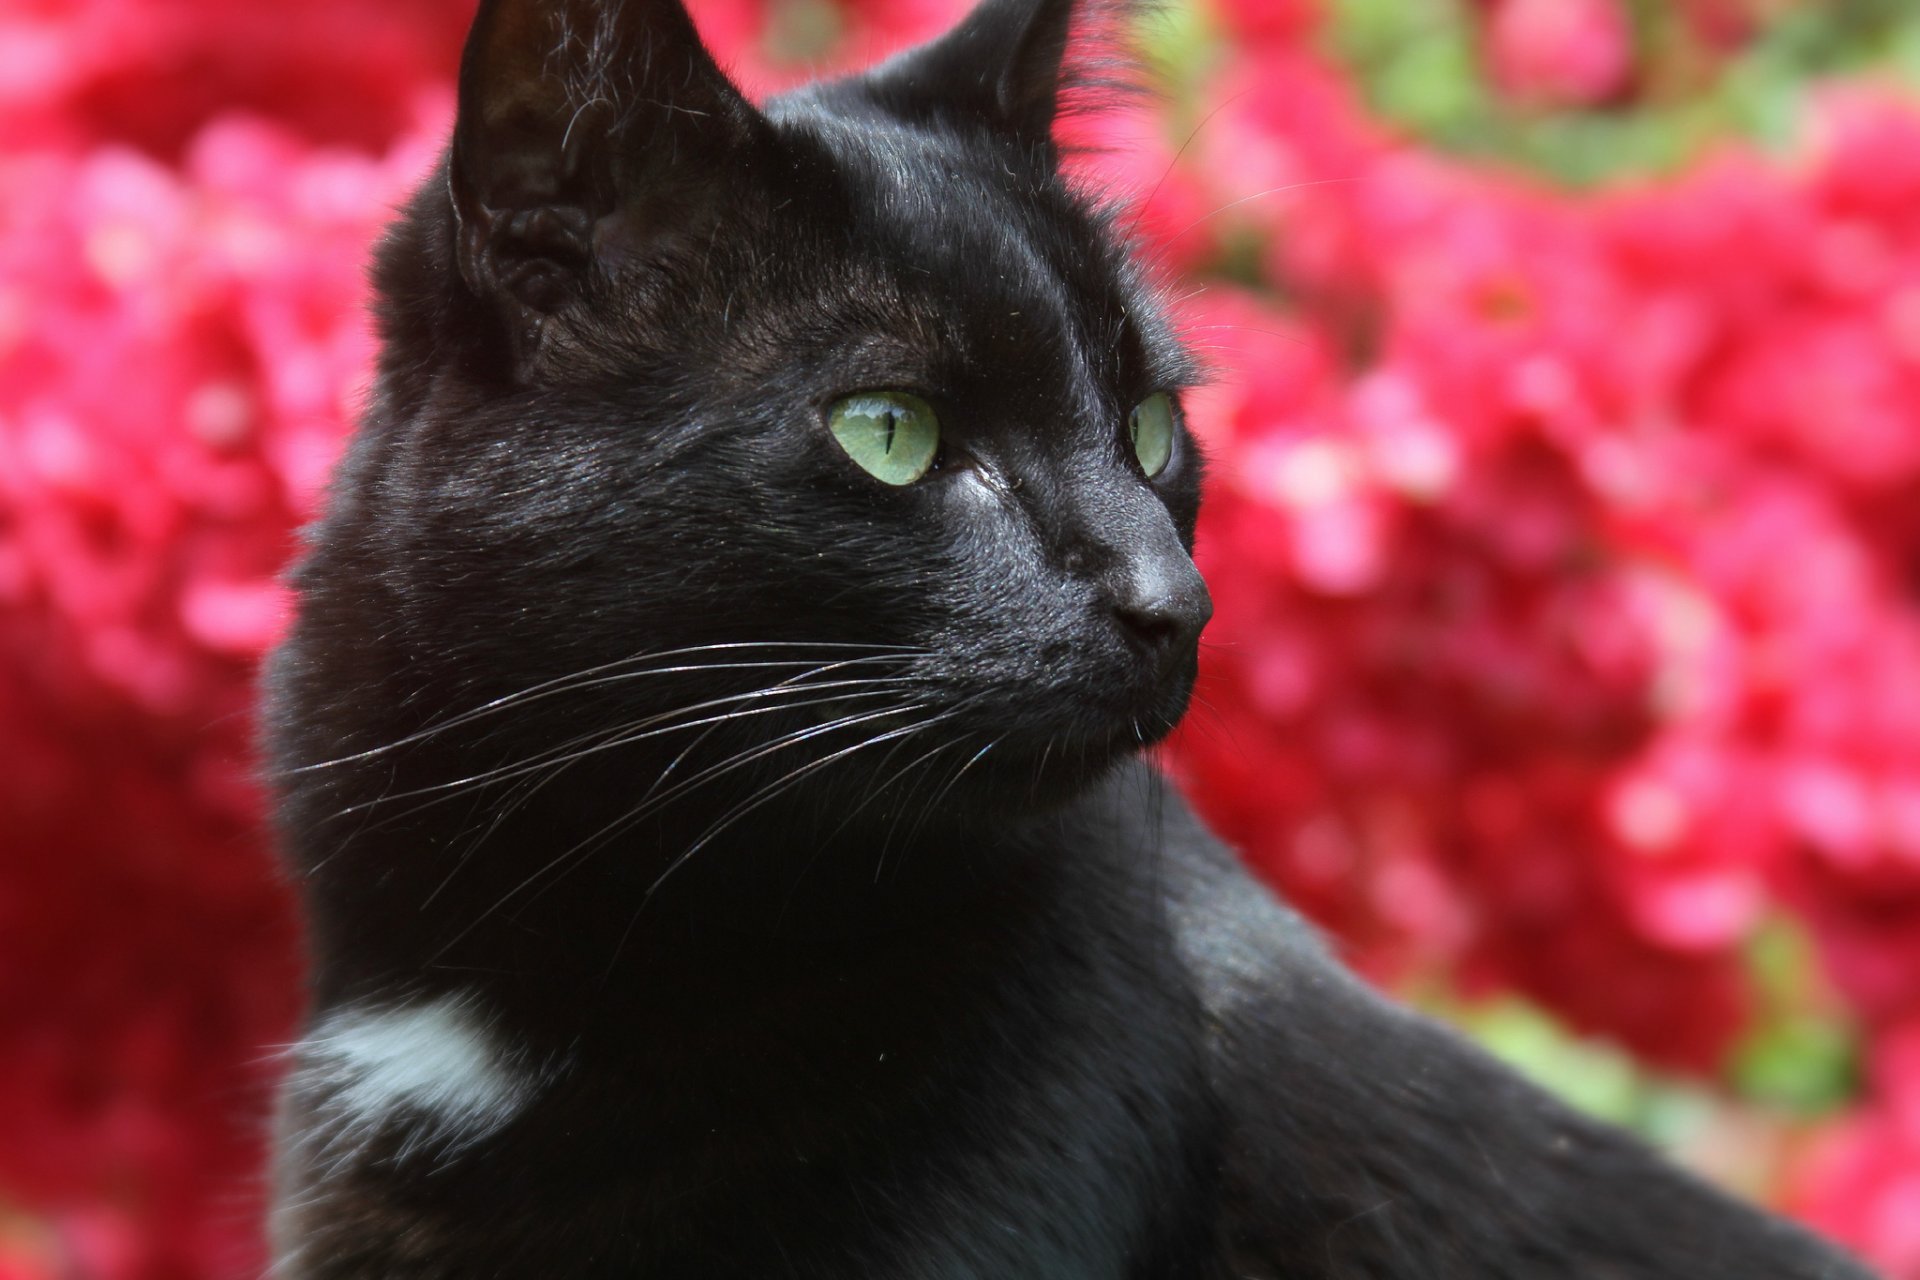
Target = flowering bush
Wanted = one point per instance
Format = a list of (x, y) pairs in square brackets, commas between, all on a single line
[(1564, 536), (1568, 579)]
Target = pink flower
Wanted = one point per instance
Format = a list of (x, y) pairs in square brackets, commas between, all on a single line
[(178, 347), (1564, 53), (1862, 1181), (1563, 546)]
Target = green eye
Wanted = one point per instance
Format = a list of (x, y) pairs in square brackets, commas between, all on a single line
[(893, 435), (1151, 428)]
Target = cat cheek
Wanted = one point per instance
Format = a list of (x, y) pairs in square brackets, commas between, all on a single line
[(633, 239), (618, 242), (974, 490), (977, 489)]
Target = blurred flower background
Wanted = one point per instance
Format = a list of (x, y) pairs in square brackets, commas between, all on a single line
[(1565, 531)]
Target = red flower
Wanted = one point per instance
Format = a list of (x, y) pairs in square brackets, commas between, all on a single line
[(1564, 549), (1862, 1184)]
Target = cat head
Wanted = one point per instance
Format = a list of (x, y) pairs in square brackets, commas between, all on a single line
[(854, 381)]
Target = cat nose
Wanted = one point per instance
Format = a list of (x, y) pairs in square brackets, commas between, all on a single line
[(1144, 575), (1164, 608)]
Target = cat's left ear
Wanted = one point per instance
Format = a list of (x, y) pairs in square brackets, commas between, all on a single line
[(588, 131), (1003, 66)]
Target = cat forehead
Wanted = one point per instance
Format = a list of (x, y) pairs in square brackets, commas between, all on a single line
[(967, 238), (941, 196)]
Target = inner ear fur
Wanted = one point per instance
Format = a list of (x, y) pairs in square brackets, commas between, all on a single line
[(588, 130)]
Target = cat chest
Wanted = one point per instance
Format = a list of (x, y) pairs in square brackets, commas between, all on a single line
[(1059, 1153)]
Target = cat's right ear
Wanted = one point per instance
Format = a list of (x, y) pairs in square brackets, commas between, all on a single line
[(590, 132), (1005, 66)]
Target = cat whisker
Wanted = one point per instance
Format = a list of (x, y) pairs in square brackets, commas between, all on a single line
[(765, 795), (784, 783), (1040, 769), (798, 682), (933, 806), (900, 814), (759, 752), (707, 732), (585, 848), (593, 677), (915, 763), (873, 793), (636, 731), (551, 769), (550, 766), (793, 684)]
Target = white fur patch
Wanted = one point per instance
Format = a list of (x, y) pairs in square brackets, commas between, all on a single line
[(431, 1074)]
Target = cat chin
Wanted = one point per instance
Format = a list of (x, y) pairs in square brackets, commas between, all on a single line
[(1045, 767)]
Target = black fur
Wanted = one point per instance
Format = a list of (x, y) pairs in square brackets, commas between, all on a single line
[(785, 827)]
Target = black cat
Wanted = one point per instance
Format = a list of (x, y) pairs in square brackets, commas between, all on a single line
[(708, 743)]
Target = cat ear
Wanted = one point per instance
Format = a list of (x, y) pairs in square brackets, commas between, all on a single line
[(1003, 64), (588, 129)]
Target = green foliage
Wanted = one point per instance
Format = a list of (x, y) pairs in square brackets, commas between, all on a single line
[(802, 31), (1183, 49), (1592, 1076), (1800, 1056), (1731, 1141), (1420, 63), (1798, 1064)]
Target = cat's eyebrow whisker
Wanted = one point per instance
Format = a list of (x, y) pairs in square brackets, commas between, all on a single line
[(1190, 330), (1140, 210), (593, 676)]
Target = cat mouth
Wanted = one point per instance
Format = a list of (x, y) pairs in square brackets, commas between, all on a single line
[(1161, 704), (1091, 723)]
